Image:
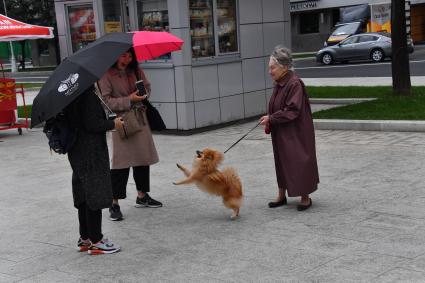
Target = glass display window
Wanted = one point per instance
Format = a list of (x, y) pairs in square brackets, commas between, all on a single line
[(202, 28), (226, 24), (112, 15), (81, 25), (153, 16), (213, 27)]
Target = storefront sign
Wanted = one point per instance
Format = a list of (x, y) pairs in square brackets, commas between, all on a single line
[(113, 27), (304, 5)]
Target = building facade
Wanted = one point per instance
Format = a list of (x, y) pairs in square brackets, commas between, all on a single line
[(313, 20), (221, 73)]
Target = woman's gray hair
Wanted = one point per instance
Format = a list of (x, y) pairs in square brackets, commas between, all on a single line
[(282, 56)]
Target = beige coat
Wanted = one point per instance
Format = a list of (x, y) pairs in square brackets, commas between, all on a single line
[(139, 149)]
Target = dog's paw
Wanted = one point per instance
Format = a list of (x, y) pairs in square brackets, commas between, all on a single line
[(174, 183), (178, 166), (234, 217)]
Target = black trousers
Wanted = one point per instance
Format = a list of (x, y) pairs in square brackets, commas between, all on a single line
[(120, 178), (90, 223)]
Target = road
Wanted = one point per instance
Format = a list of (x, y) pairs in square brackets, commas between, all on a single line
[(309, 68)]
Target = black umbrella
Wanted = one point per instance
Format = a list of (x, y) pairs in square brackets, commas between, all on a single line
[(76, 73)]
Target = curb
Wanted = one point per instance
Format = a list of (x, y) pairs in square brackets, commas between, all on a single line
[(326, 124), (369, 125), (338, 101)]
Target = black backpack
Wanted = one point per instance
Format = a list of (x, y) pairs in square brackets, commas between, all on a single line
[(60, 133)]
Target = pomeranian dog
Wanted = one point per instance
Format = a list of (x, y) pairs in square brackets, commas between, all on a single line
[(208, 178)]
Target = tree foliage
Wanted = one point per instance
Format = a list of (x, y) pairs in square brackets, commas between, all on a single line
[(39, 12)]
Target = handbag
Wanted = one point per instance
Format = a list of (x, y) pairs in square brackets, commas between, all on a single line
[(132, 123), (154, 118)]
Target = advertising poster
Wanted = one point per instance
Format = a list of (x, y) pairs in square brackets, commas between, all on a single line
[(380, 17), (82, 26)]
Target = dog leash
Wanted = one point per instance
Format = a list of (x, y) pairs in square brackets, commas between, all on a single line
[(242, 137)]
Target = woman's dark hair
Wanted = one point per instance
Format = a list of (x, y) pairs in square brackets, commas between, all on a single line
[(133, 65)]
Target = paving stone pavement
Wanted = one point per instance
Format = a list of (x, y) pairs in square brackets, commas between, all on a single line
[(366, 224)]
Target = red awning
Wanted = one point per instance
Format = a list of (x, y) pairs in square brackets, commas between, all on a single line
[(11, 30)]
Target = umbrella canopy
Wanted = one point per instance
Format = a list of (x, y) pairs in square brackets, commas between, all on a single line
[(82, 69), (11, 30), (150, 44)]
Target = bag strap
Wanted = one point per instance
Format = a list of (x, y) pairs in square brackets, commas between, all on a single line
[(101, 100)]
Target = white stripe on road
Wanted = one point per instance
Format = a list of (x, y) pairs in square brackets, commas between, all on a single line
[(352, 65), (25, 78)]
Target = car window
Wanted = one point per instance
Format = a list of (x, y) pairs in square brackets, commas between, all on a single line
[(350, 40), (367, 38)]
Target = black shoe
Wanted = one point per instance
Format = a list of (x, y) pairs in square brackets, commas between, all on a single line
[(115, 212), (274, 204), (147, 201), (302, 207)]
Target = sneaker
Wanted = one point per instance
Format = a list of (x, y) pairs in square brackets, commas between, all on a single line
[(103, 247), (147, 201), (115, 212), (83, 245)]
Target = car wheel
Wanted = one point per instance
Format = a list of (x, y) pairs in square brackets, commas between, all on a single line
[(377, 55), (327, 59)]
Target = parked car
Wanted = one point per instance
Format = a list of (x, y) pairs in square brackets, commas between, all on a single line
[(364, 46)]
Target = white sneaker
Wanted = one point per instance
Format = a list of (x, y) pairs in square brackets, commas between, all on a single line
[(103, 247)]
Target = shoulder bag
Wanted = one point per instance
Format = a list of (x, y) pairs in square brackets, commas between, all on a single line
[(154, 118)]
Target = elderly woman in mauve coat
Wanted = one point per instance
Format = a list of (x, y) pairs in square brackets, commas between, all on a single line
[(118, 89), (290, 123)]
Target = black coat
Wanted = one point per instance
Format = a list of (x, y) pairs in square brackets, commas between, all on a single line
[(89, 158)]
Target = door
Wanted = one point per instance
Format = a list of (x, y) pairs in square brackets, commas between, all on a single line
[(346, 48), (365, 45)]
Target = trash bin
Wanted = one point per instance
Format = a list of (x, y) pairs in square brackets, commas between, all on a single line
[(9, 107)]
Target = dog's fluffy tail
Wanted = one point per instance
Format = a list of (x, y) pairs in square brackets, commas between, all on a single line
[(233, 181)]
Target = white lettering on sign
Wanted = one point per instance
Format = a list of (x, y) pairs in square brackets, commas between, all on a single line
[(303, 5)]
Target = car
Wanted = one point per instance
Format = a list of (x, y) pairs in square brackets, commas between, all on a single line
[(364, 46)]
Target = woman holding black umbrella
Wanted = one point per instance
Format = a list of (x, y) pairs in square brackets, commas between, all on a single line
[(89, 159), (118, 88)]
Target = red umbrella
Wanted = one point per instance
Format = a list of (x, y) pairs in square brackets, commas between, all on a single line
[(152, 44), (11, 30)]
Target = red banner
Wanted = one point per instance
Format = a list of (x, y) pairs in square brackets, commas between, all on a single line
[(8, 103)]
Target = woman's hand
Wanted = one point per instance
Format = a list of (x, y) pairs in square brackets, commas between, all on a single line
[(118, 123), (265, 120), (134, 97)]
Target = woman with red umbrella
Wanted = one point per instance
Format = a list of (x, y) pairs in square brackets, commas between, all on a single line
[(118, 88)]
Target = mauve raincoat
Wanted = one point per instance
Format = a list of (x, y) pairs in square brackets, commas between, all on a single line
[(293, 139), (139, 149)]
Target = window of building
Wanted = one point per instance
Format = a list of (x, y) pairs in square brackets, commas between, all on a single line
[(213, 27), (81, 25), (309, 23), (153, 16), (335, 17), (112, 16)]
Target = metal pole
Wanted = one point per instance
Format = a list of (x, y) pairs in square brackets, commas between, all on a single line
[(12, 56)]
